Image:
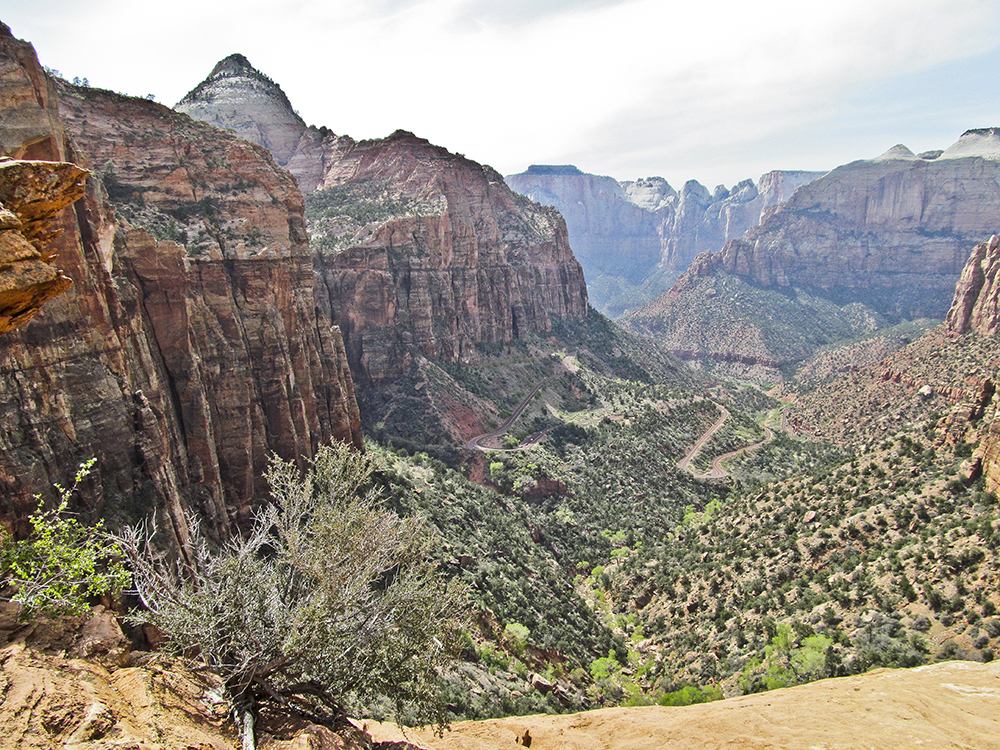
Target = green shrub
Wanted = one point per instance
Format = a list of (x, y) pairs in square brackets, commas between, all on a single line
[(63, 562)]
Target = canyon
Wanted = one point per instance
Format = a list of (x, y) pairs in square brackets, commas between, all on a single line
[(180, 367), (634, 238), (217, 295)]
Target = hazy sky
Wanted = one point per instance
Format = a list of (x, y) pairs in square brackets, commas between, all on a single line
[(715, 91)]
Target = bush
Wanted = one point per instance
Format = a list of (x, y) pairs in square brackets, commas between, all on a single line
[(330, 605), (63, 562)]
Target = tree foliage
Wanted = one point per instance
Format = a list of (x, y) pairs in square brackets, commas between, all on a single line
[(330, 605), (62, 562)]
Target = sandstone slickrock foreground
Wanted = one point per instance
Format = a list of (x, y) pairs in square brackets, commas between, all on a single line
[(185, 352), (418, 250), (946, 705)]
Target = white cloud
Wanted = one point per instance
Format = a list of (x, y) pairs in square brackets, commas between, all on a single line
[(627, 87)]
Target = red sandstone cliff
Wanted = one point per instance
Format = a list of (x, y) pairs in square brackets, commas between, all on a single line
[(976, 307), (179, 362), (424, 249), (419, 251)]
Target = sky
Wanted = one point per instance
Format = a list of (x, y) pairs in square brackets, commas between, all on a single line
[(714, 91)]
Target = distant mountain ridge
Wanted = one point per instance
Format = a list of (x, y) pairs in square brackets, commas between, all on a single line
[(870, 243), (634, 238)]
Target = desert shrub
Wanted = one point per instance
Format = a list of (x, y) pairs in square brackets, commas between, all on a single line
[(329, 605)]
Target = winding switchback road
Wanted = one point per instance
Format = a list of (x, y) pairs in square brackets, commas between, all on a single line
[(717, 472), (684, 462), (476, 443)]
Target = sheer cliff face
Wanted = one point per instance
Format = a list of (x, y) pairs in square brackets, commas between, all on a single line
[(634, 238), (976, 307), (893, 232), (179, 360), (420, 248), (609, 234), (418, 251)]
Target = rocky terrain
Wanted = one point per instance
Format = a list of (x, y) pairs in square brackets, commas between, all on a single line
[(417, 248), (634, 238), (31, 194), (241, 99), (105, 697), (875, 241), (216, 315), (950, 705), (188, 347)]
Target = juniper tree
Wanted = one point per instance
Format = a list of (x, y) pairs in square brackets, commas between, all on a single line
[(330, 604)]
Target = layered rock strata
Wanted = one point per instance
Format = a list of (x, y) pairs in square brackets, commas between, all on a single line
[(634, 238), (422, 249), (31, 194), (239, 98), (976, 306), (891, 232), (189, 347), (419, 251)]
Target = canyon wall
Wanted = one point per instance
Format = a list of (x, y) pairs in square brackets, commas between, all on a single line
[(891, 232), (634, 238), (417, 250), (976, 308), (868, 244), (189, 346), (419, 246)]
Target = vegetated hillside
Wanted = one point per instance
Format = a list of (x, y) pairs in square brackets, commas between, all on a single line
[(731, 327), (438, 406), (584, 478), (886, 560), (941, 378)]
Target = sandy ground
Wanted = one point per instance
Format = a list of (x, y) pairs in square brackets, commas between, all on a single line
[(948, 705)]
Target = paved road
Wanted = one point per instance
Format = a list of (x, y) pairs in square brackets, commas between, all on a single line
[(683, 463), (717, 472), (476, 444)]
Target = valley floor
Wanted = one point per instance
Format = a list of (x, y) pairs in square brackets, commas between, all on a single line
[(946, 705)]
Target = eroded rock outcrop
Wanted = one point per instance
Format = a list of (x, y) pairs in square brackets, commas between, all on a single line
[(31, 194), (976, 306), (189, 346), (239, 98)]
